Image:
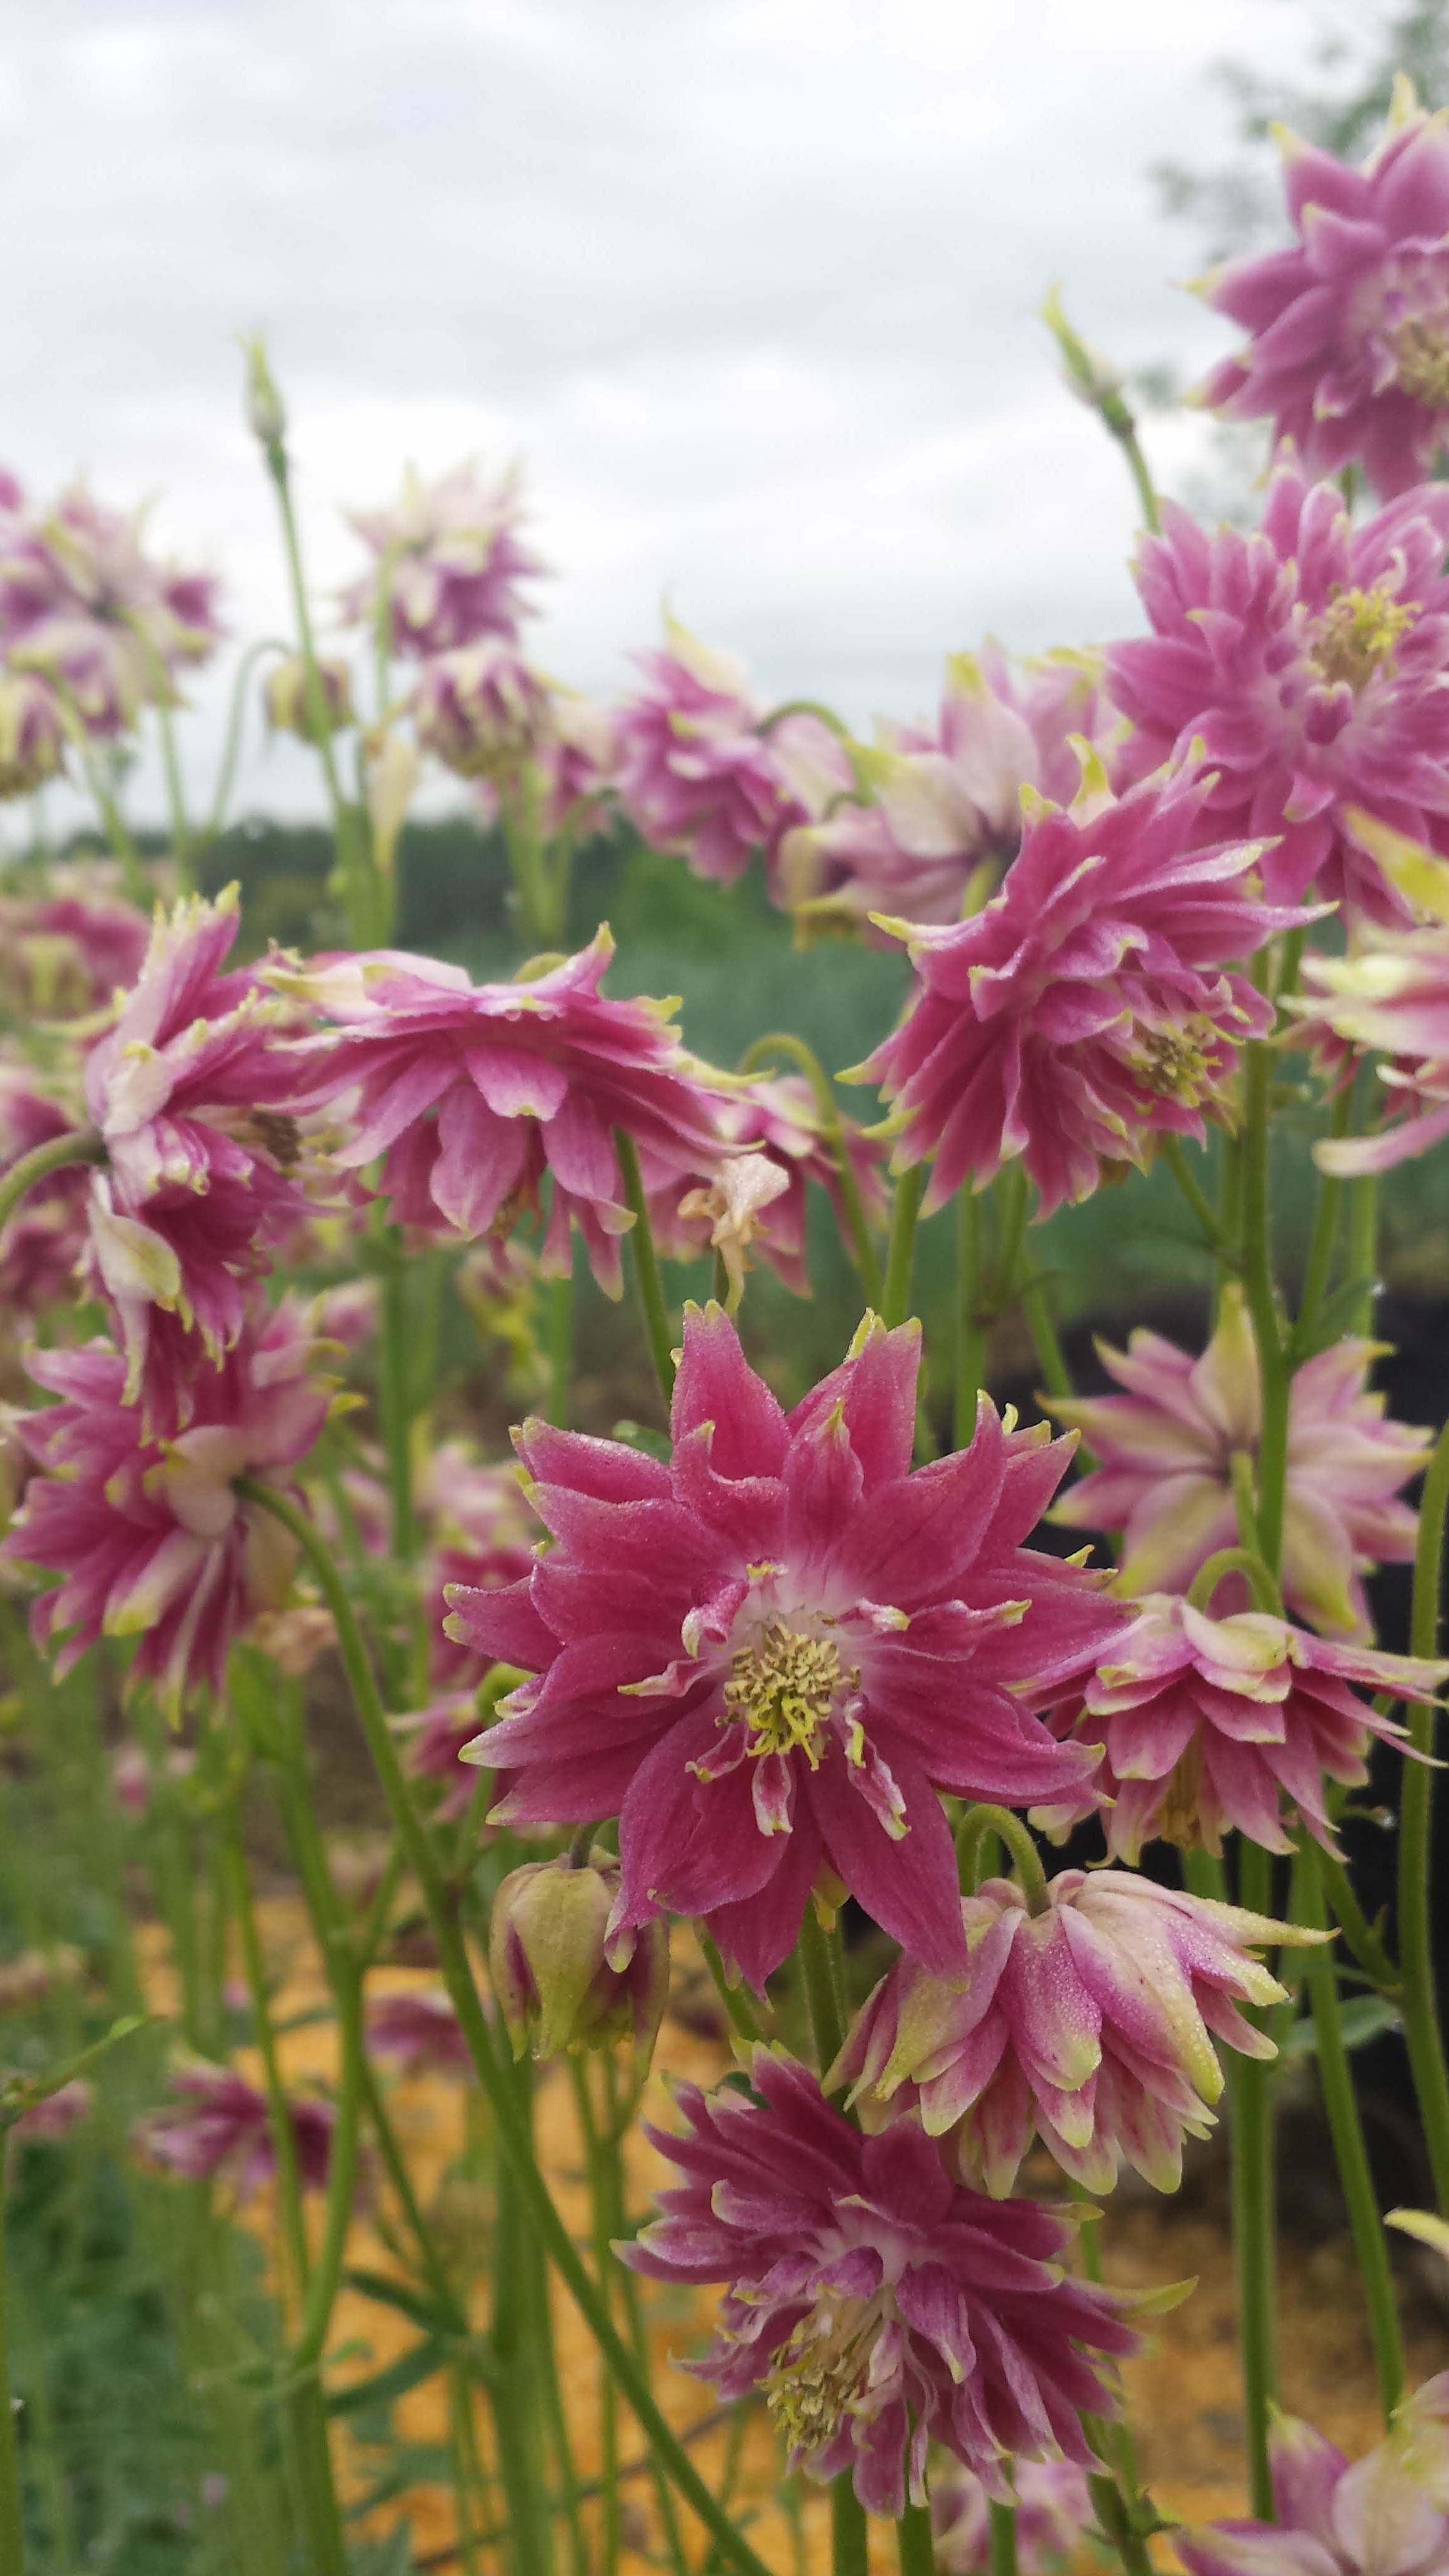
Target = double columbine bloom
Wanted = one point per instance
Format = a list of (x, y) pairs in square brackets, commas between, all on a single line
[(1306, 662), (1091, 1006), (1348, 348), (768, 1656), (1164, 1475), (873, 2303), (84, 605), (473, 1092), (1089, 2023), (449, 563), (1214, 1723)]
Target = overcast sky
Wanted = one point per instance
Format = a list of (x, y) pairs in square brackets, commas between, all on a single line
[(750, 285)]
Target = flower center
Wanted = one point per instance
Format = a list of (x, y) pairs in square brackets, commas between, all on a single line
[(784, 1686), (1177, 1063), (1357, 633), (819, 2371), (1421, 356), (1179, 1819)]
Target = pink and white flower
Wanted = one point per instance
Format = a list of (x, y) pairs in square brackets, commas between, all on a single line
[(1089, 2023), (1165, 1451), (148, 1537), (448, 562), (755, 1196), (1348, 328), (82, 602), (416, 2031), (472, 1092), (66, 946), (1389, 995), (876, 2304), (696, 773), (1386, 2515), (42, 1245), (218, 2123), (1308, 664), (1211, 1724), (767, 1656), (1088, 1008), (1054, 2514), (479, 709)]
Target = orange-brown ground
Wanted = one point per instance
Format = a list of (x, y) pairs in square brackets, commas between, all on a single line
[(1183, 2391)]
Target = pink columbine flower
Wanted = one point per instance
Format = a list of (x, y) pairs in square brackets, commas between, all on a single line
[(66, 946), (448, 562), (876, 2304), (1089, 2024), (436, 1737), (482, 1535), (480, 710), (1308, 662), (217, 2123), (188, 1092), (1054, 2514), (1214, 1723), (767, 1656), (1348, 346), (1390, 994), (42, 1245), (416, 2030), (1165, 1451), (287, 696), (1384, 2516), (82, 601), (1086, 1009), (577, 756), (473, 1091), (695, 773), (148, 1536), (947, 795), (754, 1197), (56, 2114)]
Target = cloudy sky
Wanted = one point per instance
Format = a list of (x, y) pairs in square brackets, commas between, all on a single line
[(751, 286)]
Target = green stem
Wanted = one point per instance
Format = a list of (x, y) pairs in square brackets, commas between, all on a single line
[(284, 2141), (1318, 1265), (603, 2266), (823, 1989), (314, 686), (1336, 2079), (784, 1042), (970, 1330), (901, 1253), (1236, 1560), (215, 822), (1363, 1247), (1196, 1196), (83, 1145), (1001, 2539), (1254, 2246), (849, 2541), (980, 1821), (457, 1976), (915, 2546), (1274, 1374), (1355, 1926), (740, 2012), (12, 2514), (648, 1285), (1117, 2526), (112, 820), (1422, 2029), (618, 2217), (516, 2391), (1051, 1359), (559, 1335), (394, 1374)]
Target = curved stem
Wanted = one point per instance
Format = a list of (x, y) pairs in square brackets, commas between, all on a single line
[(83, 1146), (1254, 2246), (1336, 2079), (112, 820), (738, 2009), (645, 1262), (982, 1820), (215, 823), (1236, 1560), (784, 1042), (1196, 1196), (1274, 1374), (1355, 1926), (1422, 2030), (458, 1978), (900, 1257)]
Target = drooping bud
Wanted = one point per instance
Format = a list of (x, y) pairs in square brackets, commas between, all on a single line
[(287, 698), (560, 1983), (266, 413)]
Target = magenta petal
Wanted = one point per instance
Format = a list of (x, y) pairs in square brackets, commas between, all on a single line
[(715, 1384), (910, 1886)]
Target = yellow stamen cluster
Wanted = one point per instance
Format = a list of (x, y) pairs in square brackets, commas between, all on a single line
[(1357, 633), (818, 2373), (784, 1686), (1176, 1063), (1422, 353)]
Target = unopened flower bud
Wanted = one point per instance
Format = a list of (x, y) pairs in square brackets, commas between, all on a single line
[(265, 411), (288, 698), (558, 1980), (32, 735)]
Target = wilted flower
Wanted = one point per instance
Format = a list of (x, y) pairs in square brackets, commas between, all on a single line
[(754, 1199), (1086, 1009), (558, 1979), (1053, 2516), (1166, 1447), (148, 1537), (82, 602), (474, 1091), (767, 1656), (695, 773), (1348, 349), (480, 709), (218, 2123), (287, 696), (1089, 2023), (449, 562), (1387, 2515), (416, 2030), (32, 734), (876, 2304), (1308, 663), (1213, 1723), (188, 1092), (948, 795)]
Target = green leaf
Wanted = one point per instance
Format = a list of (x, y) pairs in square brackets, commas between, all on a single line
[(1364, 2017), (639, 1435), (386, 2386), (423, 2309)]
